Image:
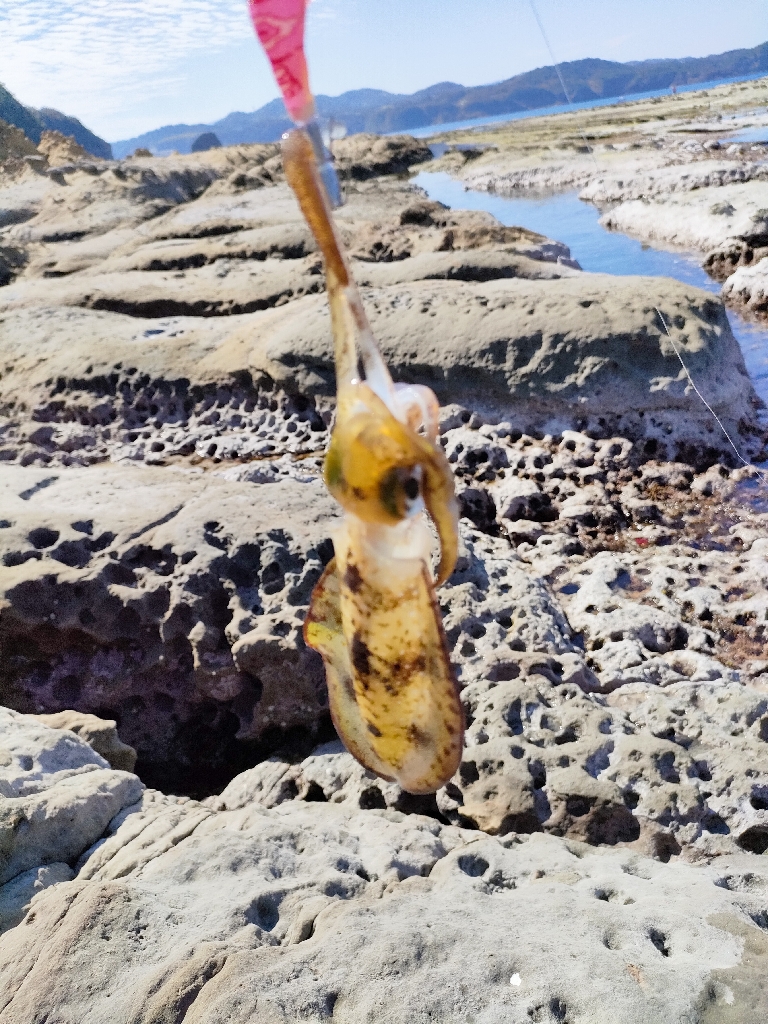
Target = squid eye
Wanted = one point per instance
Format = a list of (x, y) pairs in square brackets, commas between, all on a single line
[(411, 488), (400, 491)]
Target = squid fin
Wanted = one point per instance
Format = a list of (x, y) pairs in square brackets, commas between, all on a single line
[(323, 632)]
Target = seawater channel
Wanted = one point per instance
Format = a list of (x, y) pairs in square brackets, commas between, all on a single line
[(565, 218)]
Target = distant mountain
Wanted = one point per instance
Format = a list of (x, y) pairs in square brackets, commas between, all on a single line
[(12, 112), (33, 122), (56, 121), (376, 111)]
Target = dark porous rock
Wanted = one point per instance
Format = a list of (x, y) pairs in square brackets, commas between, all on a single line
[(367, 156), (131, 608)]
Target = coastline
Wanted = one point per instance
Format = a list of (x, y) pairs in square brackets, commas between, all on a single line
[(663, 170), (167, 393)]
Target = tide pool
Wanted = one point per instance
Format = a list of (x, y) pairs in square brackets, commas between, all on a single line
[(564, 217)]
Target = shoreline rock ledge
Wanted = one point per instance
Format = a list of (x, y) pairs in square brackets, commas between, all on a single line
[(165, 402), (586, 352), (320, 912)]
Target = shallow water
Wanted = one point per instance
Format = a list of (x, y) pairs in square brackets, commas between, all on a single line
[(756, 135), (566, 218)]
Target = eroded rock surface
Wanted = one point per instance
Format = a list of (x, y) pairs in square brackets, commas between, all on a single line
[(180, 909), (672, 171), (166, 399), (176, 611), (57, 795), (747, 287), (705, 218), (618, 599), (98, 733), (581, 352)]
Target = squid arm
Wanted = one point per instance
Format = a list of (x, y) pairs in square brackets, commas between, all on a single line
[(374, 616)]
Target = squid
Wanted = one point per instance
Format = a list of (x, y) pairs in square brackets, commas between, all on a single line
[(374, 616)]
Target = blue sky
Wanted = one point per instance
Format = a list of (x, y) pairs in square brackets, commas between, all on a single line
[(126, 66)]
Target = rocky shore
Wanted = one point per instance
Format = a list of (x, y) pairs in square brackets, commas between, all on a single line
[(665, 170), (167, 391)]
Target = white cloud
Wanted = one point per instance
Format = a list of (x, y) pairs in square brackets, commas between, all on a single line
[(97, 58)]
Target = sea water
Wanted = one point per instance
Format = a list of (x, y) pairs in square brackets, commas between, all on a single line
[(426, 131), (565, 218)]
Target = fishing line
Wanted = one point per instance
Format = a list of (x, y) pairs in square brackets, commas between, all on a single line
[(739, 456), (677, 352), (545, 37)]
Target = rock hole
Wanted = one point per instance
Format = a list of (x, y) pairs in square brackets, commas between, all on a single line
[(578, 806), (315, 794), (473, 865), (569, 588), (372, 799), (265, 911), (568, 735), (660, 941), (754, 840), (42, 537)]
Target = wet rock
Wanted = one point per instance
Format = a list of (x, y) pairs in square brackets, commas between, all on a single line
[(747, 287)]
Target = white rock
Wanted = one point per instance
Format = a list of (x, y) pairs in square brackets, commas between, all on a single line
[(702, 219), (747, 287), (280, 915), (57, 795)]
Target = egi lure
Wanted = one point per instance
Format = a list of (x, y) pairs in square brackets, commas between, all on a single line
[(374, 616)]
